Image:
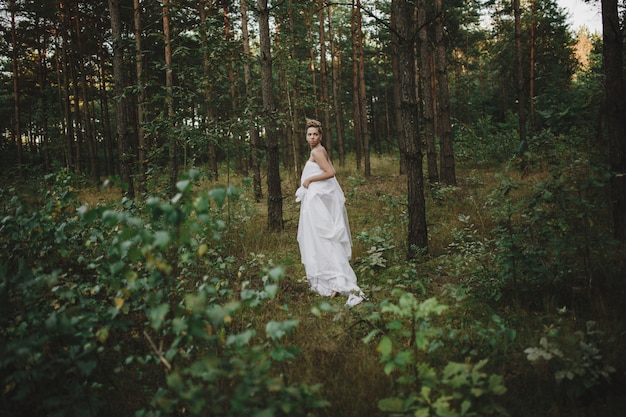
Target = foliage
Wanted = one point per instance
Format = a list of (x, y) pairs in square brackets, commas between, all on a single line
[(94, 296), (407, 349), (577, 361), (553, 231)]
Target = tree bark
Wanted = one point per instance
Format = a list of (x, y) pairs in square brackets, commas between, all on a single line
[(17, 132), (255, 166), (142, 150), (120, 101), (324, 99), (274, 193), (92, 151), (208, 92), (293, 97), (404, 25), (356, 96), (447, 168), (104, 115), (531, 78), (397, 93), (169, 99), (63, 89), (426, 76), (520, 79), (615, 112), (335, 57), (362, 94)]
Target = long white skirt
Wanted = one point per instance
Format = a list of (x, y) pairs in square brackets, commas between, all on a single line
[(324, 237)]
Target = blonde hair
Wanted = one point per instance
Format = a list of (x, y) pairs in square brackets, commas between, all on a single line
[(314, 123)]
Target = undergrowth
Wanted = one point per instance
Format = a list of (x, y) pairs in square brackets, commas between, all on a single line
[(188, 306)]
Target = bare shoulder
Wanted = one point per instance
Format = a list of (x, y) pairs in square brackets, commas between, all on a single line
[(319, 154)]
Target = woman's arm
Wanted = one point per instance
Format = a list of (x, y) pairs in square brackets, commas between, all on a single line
[(320, 157)]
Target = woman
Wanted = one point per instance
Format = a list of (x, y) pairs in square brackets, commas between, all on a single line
[(323, 229)]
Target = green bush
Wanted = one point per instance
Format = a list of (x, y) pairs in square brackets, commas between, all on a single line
[(408, 346), (138, 298)]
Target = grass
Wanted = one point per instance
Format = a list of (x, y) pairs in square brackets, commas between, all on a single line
[(330, 336)]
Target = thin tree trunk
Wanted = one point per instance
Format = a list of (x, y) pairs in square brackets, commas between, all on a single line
[(447, 169), (615, 112), (142, 151), (169, 99), (90, 140), (208, 92), (397, 93), (362, 95), (520, 79), (531, 81), (293, 97), (417, 237), (62, 82), (104, 115), (253, 131), (17, 133), (43, 100), (274, 193), (426, 76), (120, 101), (356, 96), (312, 67), (328, 143), (336, 85)]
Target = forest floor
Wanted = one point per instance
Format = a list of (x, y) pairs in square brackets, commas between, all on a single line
[(331, 336)]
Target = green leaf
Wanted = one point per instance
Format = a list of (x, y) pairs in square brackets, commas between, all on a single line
[(183, 185), (277, 329), (218, 195), (162, 239), (271, 290), (157, 315), (195, 302), (276, 273), (385, 347), (391, 405)]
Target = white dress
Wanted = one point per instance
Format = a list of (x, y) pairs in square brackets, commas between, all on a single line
[(324, 237)]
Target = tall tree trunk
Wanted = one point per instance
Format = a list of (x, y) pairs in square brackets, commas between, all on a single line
[(417, 237), (43, 100), (293, 98), (425, 54), (169, 99), (613, 62), (142, 151), (397, 92), (520, 80), (255, 166), (356, 96), (362, 94), (324, 99), (531, 80), (312, 67), (274, 193), (336, 83), (62, 82), (208, 91), (120, 101), (241, 164), (104, 115), (92, 151), (17, 132), (447, 168)]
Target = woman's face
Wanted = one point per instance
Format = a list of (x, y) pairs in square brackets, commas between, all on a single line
[(313, 136)]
